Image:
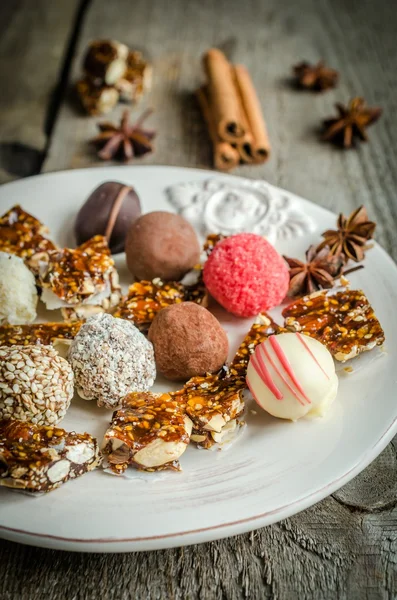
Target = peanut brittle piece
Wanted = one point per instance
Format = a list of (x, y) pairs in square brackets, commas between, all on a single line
[(150, 432), (22, 234), (208, 439), (40, 459), (146, 298), (38, 333), (70, 277), (260, 330), (211, 241), (344, 322), (215, 400)]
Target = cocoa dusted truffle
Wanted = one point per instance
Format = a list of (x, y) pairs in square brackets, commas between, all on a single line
[(161, 244), (110, 210), (188, 341)]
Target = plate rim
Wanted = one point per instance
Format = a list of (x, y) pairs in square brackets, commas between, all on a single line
[(231, 528)]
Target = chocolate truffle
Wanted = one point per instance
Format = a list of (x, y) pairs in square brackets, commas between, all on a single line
[(188, 341), (110, 210), (161, 244)]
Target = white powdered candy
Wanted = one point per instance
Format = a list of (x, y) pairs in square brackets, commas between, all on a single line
[(18, 294), (111, 358), (36, 384)]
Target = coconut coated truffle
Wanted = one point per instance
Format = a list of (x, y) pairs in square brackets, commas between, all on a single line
[(188, 341), (36, 384), (161, 244), (18, 294), (246, 275), (111, 358)]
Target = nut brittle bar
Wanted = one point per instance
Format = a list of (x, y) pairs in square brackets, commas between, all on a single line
[(344, 322), (82, 276), (40, 459), (146, 298), (22, 234), (38, 333), (213, 401), (150, 432)]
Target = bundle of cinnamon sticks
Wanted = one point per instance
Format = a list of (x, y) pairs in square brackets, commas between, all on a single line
[(232, 110)]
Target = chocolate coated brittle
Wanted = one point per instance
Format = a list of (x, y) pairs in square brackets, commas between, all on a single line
[(39, 459), (344, 322)]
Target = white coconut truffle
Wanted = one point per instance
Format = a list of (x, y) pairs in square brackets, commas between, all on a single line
[(111, 358), (292, 376), (36, 384), (18, 294)]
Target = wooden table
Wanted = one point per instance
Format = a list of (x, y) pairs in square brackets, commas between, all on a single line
[(346, 546)]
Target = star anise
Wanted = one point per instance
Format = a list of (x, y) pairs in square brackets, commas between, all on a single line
[(315, 77), (350, 125), (319, 271), (124, 141), (351, 237)]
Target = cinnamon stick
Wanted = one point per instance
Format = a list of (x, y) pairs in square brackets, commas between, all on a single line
[(223, 96), (245, 146), (225, 156), (253, 111)]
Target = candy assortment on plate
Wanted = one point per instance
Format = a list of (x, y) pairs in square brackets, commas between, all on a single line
[(113, 344)]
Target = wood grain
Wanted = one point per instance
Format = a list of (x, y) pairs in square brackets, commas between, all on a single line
[(346, 546), (33, 40)]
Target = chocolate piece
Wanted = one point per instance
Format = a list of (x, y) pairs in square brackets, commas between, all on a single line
[(146, 298), (22, 234), (40, 459), (161, 244), (96, 99), (188, 341), (344, 322), (38, 333), (150, 432), (36, 384), (110, 210), (106, 60)]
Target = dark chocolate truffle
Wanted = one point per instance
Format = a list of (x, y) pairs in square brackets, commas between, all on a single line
[(110, 210), (161, 244), (188, 341)]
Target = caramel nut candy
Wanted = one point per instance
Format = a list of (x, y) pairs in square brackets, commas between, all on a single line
[(106, 60), (37, 459), (96, 99)]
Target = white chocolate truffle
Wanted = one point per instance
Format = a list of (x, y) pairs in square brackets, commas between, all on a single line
[(110, 357), (292, 376), (18, 294), (36, 384)]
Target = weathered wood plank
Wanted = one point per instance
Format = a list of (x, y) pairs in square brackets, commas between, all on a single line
[(33, 39), (346, 546)]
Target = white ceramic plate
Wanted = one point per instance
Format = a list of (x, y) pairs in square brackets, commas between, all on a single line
[(274, 470)]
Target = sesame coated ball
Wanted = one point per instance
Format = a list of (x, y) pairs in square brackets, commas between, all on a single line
[(36, 384)]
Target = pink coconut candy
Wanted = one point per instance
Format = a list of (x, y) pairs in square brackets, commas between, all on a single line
[(246, 275)]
